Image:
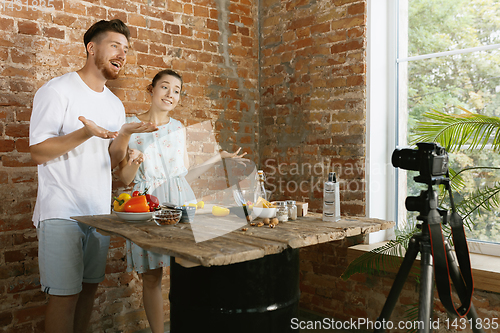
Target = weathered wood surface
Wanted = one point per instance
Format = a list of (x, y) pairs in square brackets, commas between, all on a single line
[(235, 246)]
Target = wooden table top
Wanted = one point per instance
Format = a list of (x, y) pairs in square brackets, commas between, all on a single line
[(237, 245)]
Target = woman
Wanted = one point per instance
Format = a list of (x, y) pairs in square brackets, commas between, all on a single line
[(159, 162)]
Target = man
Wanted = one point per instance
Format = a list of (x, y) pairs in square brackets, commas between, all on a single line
[(78, 135)]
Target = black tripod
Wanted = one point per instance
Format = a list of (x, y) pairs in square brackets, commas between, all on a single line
[(421, 242)]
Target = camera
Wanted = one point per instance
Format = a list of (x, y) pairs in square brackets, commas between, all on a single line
[(430, 159), (421, 204)]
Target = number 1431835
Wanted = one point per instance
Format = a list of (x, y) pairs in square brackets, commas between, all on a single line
[(27, 5)]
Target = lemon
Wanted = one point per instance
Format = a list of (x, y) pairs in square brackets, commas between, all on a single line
[(200, 204), (219, 211), (193, 205)]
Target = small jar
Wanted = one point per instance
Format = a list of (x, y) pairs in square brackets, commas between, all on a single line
[(281, 211), (292, 210)]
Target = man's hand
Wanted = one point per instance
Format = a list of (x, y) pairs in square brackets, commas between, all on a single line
[(142, 127), (91, 129)]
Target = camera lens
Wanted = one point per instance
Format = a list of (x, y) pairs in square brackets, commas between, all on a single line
[(406, 159), (415, 204)]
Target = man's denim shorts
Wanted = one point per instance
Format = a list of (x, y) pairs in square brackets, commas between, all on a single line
[(70, 253)]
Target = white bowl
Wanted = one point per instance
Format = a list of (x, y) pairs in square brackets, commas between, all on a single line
[(134, 217), (264, 212)]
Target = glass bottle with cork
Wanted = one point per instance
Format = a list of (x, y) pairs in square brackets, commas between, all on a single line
[(260, 190)]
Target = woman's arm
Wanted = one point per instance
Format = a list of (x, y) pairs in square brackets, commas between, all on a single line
[(118, 148), (128, 166), (197, 171)]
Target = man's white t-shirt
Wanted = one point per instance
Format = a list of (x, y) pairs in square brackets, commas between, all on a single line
[(78, 182)]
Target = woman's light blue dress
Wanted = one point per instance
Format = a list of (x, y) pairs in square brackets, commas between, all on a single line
[(163, 173)]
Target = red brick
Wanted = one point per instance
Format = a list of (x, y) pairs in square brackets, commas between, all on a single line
[(188, 43), (212, 24), (161, 14), (128, 6), (117, 14), (357, 8), (98, 13), (75, 8), (175, 6), (301, 23), (6, 145), (13, 71), (24, 284), (4, 178), (201, 11), (21, 57), (17, 130), (17, 160), (355, 80), (150, 60), (28, 28), (22, 86), (6, 318), (7, 24), (54, 33), (63, 19)]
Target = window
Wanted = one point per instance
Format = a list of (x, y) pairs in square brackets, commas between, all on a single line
[(429, 55)]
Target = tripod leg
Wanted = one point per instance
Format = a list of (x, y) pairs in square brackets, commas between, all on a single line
[(426, 287), (397, 286), (459, 284)]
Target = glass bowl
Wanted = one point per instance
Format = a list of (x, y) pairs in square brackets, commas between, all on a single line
[(167, 216)]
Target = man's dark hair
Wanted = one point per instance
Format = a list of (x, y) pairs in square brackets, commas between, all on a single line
[(99, 28)]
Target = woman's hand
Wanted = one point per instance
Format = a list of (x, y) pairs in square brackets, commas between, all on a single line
[(135, 156), (235, 157), (142, 127), (225, 154)]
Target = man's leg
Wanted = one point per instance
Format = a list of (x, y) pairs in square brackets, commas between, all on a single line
[(60, 313), (84, 307)]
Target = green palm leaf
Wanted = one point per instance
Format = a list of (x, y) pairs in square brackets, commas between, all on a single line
[(486, 198), (378, 260), (454, 131)]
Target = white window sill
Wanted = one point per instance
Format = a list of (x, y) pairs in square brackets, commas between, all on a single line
[(485, 268)]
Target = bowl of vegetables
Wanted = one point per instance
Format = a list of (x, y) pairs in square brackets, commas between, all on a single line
[(135, 217), (137, 207)]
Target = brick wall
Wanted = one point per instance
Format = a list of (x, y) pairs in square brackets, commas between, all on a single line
[(313, 98), (212, 43)]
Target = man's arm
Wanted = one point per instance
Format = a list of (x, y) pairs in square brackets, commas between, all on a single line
[(57, 146)]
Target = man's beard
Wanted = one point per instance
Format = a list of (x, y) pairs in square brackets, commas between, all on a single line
[(103, 66)]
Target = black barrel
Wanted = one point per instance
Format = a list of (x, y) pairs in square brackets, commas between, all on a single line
[(260, 295)]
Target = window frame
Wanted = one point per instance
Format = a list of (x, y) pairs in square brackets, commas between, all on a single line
[(386, 66)]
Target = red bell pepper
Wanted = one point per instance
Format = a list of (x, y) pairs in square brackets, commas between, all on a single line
[(137, 204), (153, 201)]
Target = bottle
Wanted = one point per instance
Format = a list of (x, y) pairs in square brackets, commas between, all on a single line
[(292, 210), (261, 189), (331, 199), (281, 211)]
